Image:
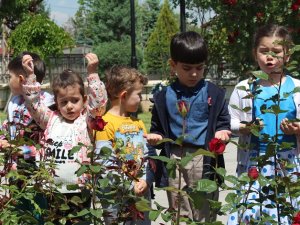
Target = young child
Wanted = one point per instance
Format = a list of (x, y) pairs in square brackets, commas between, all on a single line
[(270, 56), (18, 115), (206, 118), (20, 119), (124, 87), (69, 125)]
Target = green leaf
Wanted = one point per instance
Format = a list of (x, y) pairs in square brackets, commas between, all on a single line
[(206, 185), (164, 140), (162, 158), (81, 170), (76, 200), (221, 171), (230, 198), (154, 214), (243, 88), (185, 160), (166, 216), (204, 152), (72, 187), (75, 149), (83, 212), (64, 207), (96, 213), (260, 74), (143, 205), (296, 89), (95, 168)]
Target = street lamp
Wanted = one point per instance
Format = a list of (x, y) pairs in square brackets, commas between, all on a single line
[(182, 16), (133, 52)]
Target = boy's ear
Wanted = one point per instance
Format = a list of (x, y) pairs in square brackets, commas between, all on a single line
[(123, 95), (171, 63), (21, 78)]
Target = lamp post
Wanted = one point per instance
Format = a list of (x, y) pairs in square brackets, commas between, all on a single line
[(182, 16), (133, 51)]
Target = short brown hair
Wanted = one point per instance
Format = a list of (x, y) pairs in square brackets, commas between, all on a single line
[(65, 79), (122, 78)]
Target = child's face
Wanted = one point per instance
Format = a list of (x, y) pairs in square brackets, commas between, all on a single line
[(132, 99), (15, 83), (270, 64), (188, 74), (70, 102)]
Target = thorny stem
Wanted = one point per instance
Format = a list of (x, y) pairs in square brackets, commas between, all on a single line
[(179, 197)]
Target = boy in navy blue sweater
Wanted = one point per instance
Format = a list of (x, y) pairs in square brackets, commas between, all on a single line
[(207, 117)]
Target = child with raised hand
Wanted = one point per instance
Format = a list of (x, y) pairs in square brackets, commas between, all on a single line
[(207, 117), (18, 116), (69, 124), (124, 87), (20, 125), (270, 49)]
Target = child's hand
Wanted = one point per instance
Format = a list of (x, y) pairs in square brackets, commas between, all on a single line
[(4, 144), (152, 138), (140, 187), (224, 135), (93, 63), (27, 63), (290, 128)]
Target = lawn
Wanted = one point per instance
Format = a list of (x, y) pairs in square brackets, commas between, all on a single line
[(146, 118), (2, 116)]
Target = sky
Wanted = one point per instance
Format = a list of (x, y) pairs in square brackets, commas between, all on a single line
[(62, 10)]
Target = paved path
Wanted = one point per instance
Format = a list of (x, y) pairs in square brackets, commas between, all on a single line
[(230, 162)]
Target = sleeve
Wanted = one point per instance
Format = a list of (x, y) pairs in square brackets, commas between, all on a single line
[(223, 120), (235, 114), (97, 96), (33, 101)]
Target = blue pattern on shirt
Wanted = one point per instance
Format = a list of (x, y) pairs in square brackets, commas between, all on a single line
[(197, 117)]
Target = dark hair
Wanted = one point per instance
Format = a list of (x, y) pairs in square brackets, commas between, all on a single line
[(65, 79), (122, 78), (15, 65), (270, 30), (188, 47)]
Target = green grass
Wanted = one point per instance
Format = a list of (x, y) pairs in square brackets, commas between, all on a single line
[(146, 118), (3, 116)]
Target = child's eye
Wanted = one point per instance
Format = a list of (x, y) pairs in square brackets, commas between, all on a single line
[(75, 101)]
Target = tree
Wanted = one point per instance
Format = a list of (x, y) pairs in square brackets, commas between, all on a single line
[(157, 50), (41, 35), (106, 25), (107, 20), (147, 14), (13, 12), (229, 32)]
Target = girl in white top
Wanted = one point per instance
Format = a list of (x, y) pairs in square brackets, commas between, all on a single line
[(271, 55), (69, 125)]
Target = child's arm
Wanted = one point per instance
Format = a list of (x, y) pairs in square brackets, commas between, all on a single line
[(153, 138), (97, 96), (31, 92), (140, 187), (290, 128), (223, 121), (224, 135)]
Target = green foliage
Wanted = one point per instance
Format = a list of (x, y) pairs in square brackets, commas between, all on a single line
[(231, 25), (41, 35), (13, 12), (104, 21), (115, 53), (157, 50)]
